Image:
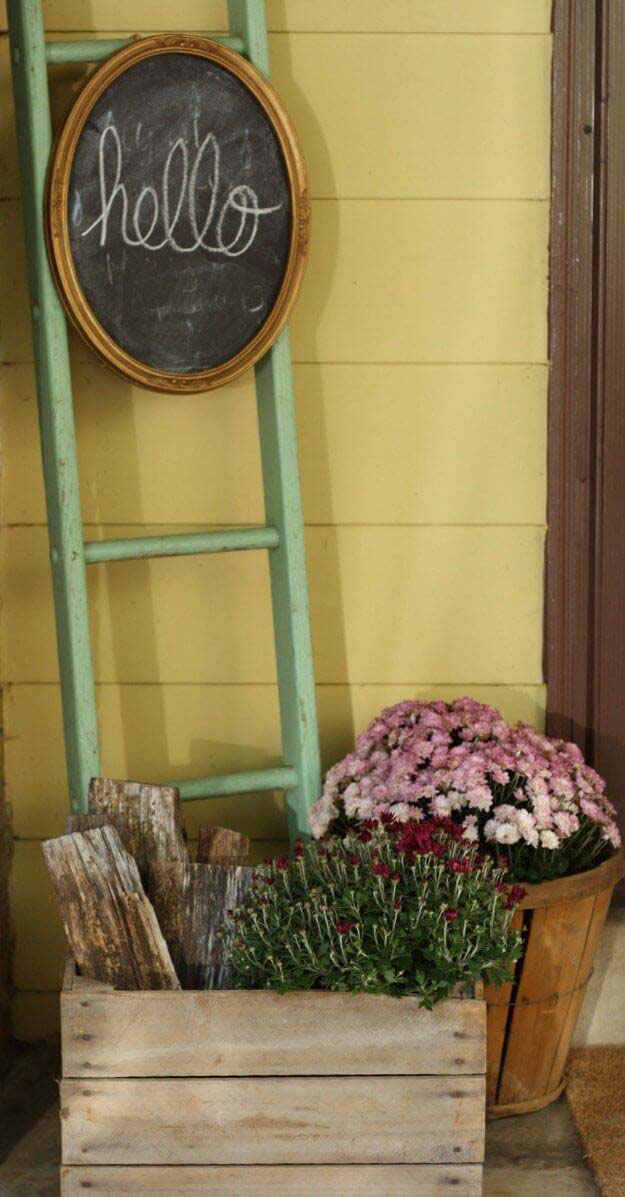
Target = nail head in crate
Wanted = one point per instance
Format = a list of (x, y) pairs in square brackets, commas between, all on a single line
[(235, 1092)]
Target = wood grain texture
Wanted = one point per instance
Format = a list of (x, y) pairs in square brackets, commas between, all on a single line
[(288, 1120), (572, 337), (555, 941), (221, 846), (563, 921), (579, 885), (86, 823), (191, 901), (109, 922), (359, 1180), (571, 1005), (498, 1016), (217, 1034), (147, 817)]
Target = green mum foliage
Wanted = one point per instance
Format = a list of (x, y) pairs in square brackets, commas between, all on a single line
[(393, 908)]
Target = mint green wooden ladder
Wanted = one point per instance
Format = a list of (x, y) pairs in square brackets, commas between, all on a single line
[(299, 774)]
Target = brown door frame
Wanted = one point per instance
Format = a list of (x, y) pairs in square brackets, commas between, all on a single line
[(585, 560)]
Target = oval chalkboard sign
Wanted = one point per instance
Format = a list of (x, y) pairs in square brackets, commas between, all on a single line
[(178, 213)]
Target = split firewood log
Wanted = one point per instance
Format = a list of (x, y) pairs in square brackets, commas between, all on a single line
[(147, 817), (86, 822), (191, 901), (220, 845), (109, 922)]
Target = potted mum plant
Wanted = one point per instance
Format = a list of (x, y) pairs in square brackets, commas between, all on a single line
[(528, 802), (393, 908), (341, 931)]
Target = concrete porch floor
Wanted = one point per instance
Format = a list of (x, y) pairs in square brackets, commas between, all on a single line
[(525, 1157)]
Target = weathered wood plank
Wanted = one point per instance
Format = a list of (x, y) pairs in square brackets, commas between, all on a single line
[(499, 1012), (220, 845), (86, 823), (287, 1120), (584, 971), (191, 901), (110, 924), (148, 818), (258, 1033), (550, 966), (364, 1180)]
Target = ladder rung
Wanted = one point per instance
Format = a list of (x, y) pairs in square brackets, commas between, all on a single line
[(182, 544), (283, 778), (93, 51)]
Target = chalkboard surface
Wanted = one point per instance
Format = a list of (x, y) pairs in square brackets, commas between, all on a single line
[(179, 216), (177, 213)]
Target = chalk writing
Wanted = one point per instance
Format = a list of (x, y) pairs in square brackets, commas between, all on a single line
[(230, 224)]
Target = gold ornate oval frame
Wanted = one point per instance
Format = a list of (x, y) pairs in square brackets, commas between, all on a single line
[(57, 230)]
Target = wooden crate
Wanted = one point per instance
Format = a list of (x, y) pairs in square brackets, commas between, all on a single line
[(232, 1092)]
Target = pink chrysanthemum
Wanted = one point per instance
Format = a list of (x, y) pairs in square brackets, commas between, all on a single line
[(508, 787)]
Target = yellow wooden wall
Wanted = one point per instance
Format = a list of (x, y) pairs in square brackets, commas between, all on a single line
[(420, 369)]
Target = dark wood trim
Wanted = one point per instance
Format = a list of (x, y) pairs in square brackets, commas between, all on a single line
[(567, 584), (585, 561), (608, 663)]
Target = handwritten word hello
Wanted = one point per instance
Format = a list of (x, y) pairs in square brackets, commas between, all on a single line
[(149, 211)]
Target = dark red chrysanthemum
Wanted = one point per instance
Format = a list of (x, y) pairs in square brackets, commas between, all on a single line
[(516, 895), (379, 869), (451, 915), (460, 864), (387, 818), (343, 927)]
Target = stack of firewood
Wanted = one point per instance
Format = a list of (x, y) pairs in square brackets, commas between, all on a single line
[(137, 912)]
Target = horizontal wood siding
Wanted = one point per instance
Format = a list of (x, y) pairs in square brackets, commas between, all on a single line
[(421, 375)]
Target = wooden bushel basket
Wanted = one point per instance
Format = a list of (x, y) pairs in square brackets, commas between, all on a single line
[(531, 1021)]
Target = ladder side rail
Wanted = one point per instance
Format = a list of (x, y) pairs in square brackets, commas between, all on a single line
[(56, 416), (283, 510), (289, 589)]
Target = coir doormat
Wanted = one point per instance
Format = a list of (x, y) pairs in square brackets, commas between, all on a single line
[(596, 1095)]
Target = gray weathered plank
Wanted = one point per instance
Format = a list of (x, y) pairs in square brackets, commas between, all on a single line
[(109, 923), (147, 817), (191, 901), (351, 1180), (241, 1033), (286, 1120)]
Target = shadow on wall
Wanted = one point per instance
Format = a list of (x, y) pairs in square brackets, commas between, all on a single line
[(116, 586)]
